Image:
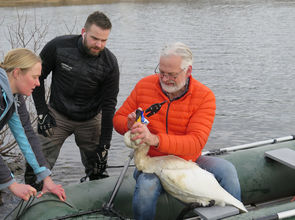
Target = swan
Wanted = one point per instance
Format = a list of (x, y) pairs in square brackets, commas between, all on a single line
[(183, 179)]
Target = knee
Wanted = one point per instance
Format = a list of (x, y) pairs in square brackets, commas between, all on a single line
[(147, 190), (148, 183), (148, 186), (223, 170), (229, 180), (229, 177), (230, 168), (226, 170)]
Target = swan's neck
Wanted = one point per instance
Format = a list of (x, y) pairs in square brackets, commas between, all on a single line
[(141, 159)]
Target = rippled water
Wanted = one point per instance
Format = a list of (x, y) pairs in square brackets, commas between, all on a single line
[(243, 50)]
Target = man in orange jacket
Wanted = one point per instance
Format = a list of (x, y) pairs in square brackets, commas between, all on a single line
[(181, 127)]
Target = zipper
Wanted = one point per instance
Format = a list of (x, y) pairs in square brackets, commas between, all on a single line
[(171, 100), (167, 117), (6, 105)]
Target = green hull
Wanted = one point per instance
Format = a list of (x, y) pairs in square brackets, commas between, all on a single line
[(261, 180), (92, 196)]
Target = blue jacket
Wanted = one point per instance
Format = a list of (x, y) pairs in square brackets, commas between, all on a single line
[(20, 129)]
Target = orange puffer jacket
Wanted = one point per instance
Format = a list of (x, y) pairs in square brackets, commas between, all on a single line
[(182, 125)]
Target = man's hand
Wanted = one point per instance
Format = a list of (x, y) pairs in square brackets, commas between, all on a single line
[(131, 119), (22, 191), (102, 159), (50, 186), (143, 133), (97, 163), (45, 124)]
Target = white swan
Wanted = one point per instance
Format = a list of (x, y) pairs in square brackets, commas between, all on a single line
[(183, 179)]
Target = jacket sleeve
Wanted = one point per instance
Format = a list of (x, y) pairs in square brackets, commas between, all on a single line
[(23, 143), (120, 118), (111, 90), (32, 137), (6, 177), (48, 62)]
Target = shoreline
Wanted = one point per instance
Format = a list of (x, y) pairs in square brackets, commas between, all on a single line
[(49, 3), (20, 3)]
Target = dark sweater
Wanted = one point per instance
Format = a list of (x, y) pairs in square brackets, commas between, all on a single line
[(82, 85)]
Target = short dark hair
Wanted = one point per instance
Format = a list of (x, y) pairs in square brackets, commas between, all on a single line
[(99, 19)]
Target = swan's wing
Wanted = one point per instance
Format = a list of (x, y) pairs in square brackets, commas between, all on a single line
[(179, 191), (187, 182), (196, 184)]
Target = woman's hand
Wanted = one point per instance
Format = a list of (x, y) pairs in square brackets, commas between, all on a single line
[(50, 186), (22, 191)]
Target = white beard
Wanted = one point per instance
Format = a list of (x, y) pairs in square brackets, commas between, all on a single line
[(174, 88)]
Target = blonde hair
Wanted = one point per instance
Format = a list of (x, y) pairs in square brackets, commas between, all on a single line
[(19, 58)]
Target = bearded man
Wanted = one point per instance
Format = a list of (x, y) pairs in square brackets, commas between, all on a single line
[(83, 96), (180, 127)]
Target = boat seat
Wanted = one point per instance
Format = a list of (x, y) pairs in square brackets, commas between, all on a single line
[(216, 212), (284, 156)]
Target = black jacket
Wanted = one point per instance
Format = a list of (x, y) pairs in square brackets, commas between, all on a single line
[(82, 85)]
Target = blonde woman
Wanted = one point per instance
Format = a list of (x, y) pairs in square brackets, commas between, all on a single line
[(19, 75)]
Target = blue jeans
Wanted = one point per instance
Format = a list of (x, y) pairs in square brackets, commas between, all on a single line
[(148, 186)]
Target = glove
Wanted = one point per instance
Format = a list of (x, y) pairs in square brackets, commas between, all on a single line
[(100, 163), (45, 124)]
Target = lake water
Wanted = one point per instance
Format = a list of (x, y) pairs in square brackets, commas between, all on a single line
[(243, 50)]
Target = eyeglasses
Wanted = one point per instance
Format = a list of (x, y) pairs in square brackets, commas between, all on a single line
[(172, 76)]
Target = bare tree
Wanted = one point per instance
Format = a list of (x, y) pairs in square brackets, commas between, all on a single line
[(2, 20), (22, 34), (71, 30), (1, 23), (26, 36)]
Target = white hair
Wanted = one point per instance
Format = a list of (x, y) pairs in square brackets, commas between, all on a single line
[(179, 49)]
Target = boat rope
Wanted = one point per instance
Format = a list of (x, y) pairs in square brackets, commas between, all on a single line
[(76, 214), (28, 205), (20, 204), (113, 212), (105, 213)]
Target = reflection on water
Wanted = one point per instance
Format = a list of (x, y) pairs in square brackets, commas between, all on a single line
[(243, 50)]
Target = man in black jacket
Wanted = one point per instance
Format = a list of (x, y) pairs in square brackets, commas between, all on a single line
[(83, 95)]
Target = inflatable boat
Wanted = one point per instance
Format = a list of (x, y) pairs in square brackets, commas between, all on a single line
[(266, 173)]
